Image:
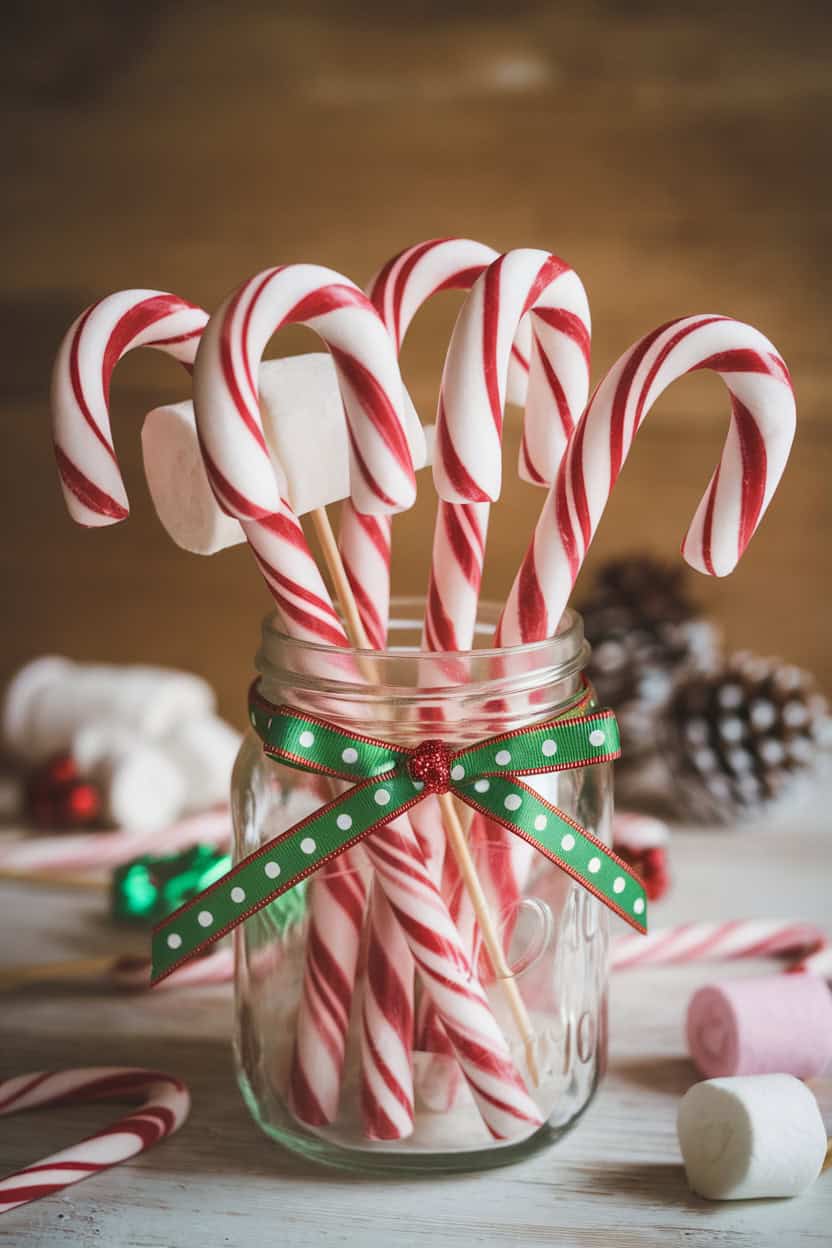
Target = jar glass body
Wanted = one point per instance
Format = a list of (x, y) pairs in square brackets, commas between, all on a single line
[(309, 952)]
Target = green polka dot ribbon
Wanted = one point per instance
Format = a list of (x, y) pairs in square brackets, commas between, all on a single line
[(386, 781)]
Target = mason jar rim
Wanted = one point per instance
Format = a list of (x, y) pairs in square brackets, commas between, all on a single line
[(552, 660)]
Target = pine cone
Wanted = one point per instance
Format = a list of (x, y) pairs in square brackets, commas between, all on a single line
[(742, 737), (644, 630)]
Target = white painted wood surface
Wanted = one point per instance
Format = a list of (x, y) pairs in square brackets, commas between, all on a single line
[(616, 1181)]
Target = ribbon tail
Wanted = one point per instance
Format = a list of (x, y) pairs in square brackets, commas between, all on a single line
[(276, 867), (591, 863)]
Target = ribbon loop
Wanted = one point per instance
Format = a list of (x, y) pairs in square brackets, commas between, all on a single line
[(386, 781)]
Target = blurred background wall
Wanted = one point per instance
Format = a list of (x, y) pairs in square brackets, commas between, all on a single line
[(677, 156)]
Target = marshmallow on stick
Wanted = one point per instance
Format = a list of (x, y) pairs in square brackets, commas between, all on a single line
[(752, 462), (303, 423)]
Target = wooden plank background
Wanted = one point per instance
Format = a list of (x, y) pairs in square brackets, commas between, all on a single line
[(677, 157)]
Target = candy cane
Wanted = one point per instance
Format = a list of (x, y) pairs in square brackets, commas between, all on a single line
[(101, 851), (753, 459), (406, 282), (467, 462), (734, 938), (164, 1103), (228, 422), (90, 478), (386, 1034)]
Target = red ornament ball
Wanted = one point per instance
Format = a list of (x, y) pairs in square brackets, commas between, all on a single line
[(56, 797)]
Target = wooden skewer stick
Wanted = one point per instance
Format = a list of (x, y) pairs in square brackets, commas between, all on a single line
[(53, 878), (450, 817), (76, 970)]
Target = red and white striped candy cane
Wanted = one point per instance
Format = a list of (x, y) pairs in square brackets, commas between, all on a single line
[(718, 941), (467, 464), (225, 403), (386, 1026), (753, 459), (337, 901), (386, 1035), (90, 478), (164, 1103), (364, 543), (398, 291)]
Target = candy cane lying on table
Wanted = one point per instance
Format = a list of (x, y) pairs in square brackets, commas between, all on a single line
[(228, 420), (752, 462), (164, 1103), (101, 851), (715, 941)]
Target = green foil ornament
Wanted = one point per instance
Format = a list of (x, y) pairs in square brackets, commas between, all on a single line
[(148, 889)]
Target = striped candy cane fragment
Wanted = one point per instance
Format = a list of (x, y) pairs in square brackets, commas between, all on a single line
[(387, 992), (468, 462), (163, 1105), (364, 543), (337, 905), (462, 1007), (386, 1027), (91, 481), (753, 458)]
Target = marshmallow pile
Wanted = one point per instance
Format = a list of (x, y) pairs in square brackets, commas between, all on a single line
[(148, 737)]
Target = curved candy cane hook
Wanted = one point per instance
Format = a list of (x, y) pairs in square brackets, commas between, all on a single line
[(469, 423), (400, 288), (754, 455), (382, 437), (91, 481)]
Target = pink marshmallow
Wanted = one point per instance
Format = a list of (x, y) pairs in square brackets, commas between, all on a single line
[(772, 1024)]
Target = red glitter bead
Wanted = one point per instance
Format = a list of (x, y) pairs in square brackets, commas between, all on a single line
[(430, 764)]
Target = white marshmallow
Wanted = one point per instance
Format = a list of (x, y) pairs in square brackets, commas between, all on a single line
[(751, 1136), (203, 749), (141, 787), (50, 699), (306, 431)]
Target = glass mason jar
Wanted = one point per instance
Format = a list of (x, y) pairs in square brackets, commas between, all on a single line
[(312, 1060)]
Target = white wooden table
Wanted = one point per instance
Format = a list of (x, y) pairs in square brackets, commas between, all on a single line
[(615, 1182)]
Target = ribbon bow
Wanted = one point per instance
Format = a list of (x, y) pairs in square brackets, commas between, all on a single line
[(387, 780)]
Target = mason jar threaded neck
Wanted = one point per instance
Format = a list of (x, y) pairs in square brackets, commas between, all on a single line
[(466, 693)]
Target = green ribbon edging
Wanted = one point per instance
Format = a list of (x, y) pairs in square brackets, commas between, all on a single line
[(485, 776)]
